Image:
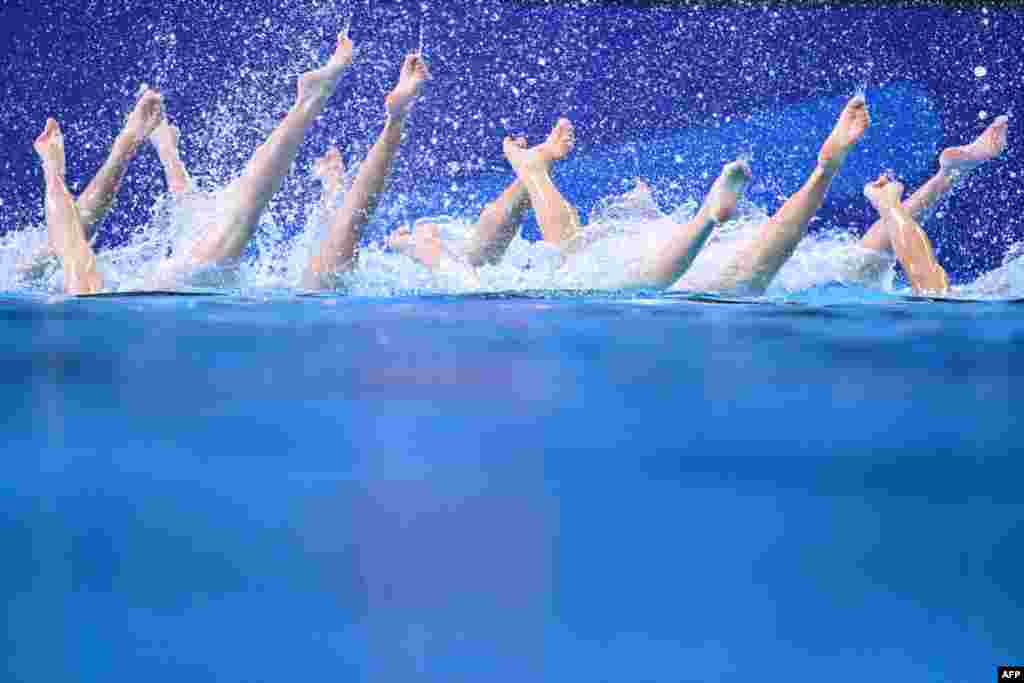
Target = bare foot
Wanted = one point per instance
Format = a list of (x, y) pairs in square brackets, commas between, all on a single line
[(853, 123), (50, 148), (146, 116), (725, 193), (884, 193), (330, 168), (558, 145), (423, 245), (413, 74), (988, 145), (165, 136), (320, 83), (640, 199), (561, 140)]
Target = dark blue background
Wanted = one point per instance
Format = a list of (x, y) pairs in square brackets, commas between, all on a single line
[(626, 73)]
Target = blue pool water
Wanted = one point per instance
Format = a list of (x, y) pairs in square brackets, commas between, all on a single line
[(510, 487)]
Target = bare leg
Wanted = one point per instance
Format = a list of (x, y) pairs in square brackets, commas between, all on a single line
[(911, 244), (498, 223), (673, 258), (330, 170), (250, 194), (338, 249), (953, 163), (753, 269), (165, 139), (67, 232), (95, 203), (97, 199), (559, 221)]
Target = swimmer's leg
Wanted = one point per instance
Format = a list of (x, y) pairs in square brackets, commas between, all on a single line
[(755, 266), (912, 247), (338, 249), (67, 232), (98, 198), (498, 223), (250, 194), (165, 139), (330, 170), (953, 163), (558, 219), (673, 258)]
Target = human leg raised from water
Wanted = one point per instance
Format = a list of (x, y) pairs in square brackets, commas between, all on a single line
[(754, 267), (337, 251), (67, 233), (499, 222), (330, 171), (165, 139), (249, 195), (558, 219), (672, 259), (953, 163), (910, 243), (97, 199)]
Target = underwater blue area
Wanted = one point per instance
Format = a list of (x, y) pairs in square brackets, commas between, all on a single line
[(510, 486), (257, 485)]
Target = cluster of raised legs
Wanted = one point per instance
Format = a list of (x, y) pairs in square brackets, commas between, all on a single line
[(72, 222)]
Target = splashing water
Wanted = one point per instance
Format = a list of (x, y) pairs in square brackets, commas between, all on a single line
[(237, 115)]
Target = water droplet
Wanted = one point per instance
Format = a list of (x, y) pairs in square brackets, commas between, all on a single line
[(980, 71), (542, 61), (982, 115), (679, 158)]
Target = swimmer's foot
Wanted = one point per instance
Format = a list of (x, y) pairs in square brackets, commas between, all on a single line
[(423, 245), (413, 74), (727, 190), (146, 117), (558, 145), (61, 230), (319, 85), (884, 193), (561, 141), (165, 137), (330, 168), (50, 148), (850, 128), (639, 202), (987, 146)]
